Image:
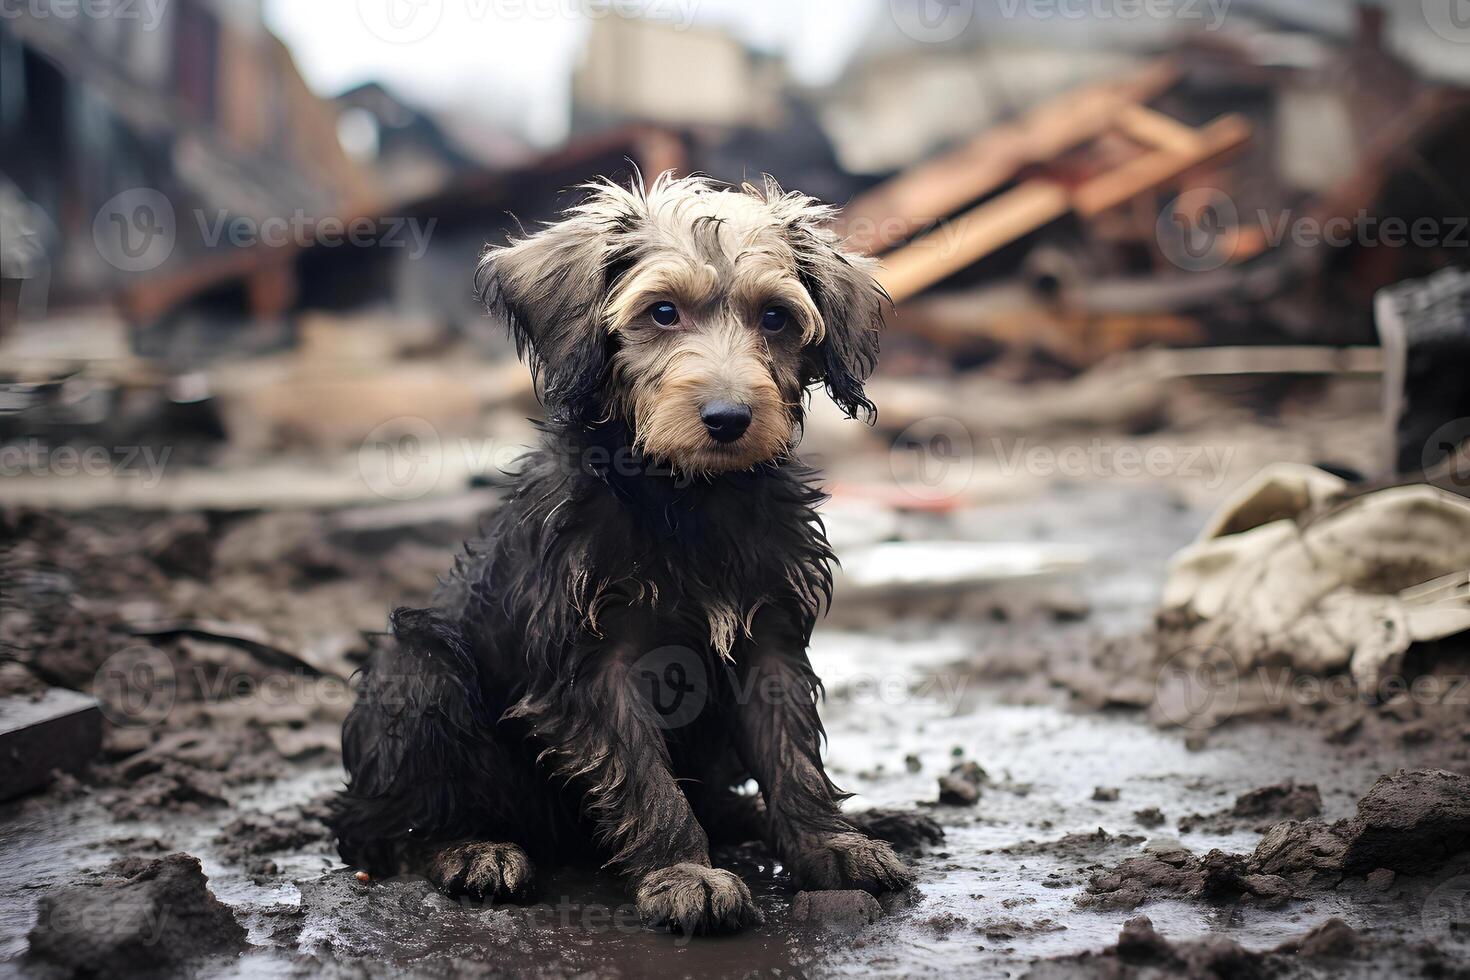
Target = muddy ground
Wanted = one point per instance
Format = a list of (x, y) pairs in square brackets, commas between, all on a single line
[(1095, 831)]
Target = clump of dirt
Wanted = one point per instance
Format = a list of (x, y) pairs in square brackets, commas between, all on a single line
[(1327, 950), (961, 785), (839, 911), (186, 771), (250, 839), (146, 916), (1410, 822), (1216, 877), (1260, 808)]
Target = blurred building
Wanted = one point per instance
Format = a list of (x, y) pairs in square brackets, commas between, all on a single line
[(190, 102)]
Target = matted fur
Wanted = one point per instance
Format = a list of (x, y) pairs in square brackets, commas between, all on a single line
[(510, 712)]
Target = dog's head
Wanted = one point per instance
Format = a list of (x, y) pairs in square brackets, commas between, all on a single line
[(696, 313)]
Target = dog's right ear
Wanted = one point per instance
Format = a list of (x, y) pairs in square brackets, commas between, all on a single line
[(550, 288)]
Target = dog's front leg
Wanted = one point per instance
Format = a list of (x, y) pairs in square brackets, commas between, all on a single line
[(602, 737), (779, 736)]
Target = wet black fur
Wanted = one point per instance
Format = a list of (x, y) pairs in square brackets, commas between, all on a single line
[(509, 710)]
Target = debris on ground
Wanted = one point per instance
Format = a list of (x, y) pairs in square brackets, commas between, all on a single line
[(1409, 822), (142, 915), (961, 785), (840, 911)]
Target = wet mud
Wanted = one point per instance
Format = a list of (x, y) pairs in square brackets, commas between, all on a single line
[(1311, 839)]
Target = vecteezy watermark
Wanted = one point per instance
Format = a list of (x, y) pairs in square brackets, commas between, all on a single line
[(135, 231), (1198, 230), (1447, 909), (1211, 13), (933, 459), (1197, 688), (1448, 449), (136, 687), (148, 13), (1202, 230), (132, 924), (672, 684), (411, 21), (37, 458), (1450, 19), (300, 229), (405, 458), (401, 459), (932, 21), (1208, 464)]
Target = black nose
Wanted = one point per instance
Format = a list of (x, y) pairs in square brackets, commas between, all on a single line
[(726, 421)]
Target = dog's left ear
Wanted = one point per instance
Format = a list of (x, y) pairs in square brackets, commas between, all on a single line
[(551, 287), (851, 301)]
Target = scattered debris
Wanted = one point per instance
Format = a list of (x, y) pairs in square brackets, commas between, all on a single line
[(1410, 822)]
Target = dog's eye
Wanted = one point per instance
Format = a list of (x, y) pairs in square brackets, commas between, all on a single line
[(774, 319), (664, 314)]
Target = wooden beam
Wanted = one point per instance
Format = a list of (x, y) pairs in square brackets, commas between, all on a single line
[(1156, 130), (1159, 167), (895, 210), (972, 236)]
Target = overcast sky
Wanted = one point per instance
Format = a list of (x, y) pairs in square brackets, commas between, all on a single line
[(511, 60)]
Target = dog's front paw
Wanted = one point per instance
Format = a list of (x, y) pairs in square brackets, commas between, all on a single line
[(479, 869), (694, 899), (847, 861)]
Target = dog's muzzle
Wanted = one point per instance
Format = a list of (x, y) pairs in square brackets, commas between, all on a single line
[(725, 421)]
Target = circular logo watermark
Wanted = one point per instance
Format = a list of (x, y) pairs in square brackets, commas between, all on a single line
[(932, 21), (1450, 19), (1449, 447), (135, 231), (400, 21), (1447, 909), (136, 687), (1197, 230), (671, 682), (401, 459), (1197, 688), (933, 459)]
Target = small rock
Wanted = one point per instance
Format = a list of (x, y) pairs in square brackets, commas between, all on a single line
[(1380, 880), (962, 786), (1149, 816), (836, 911), (1105, 794), (1332, 938)]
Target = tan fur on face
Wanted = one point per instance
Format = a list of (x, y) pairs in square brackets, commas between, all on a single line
[(576, 296), (721, 258)]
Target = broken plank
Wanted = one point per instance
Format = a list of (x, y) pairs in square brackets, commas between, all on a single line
[(60, 730), (1159, 167), (902, 206), (972, 236)]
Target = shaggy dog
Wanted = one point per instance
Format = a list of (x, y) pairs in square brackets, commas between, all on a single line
[(626, 646)]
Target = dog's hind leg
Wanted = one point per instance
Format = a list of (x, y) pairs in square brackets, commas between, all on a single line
[(426, 770), (601, 735)]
